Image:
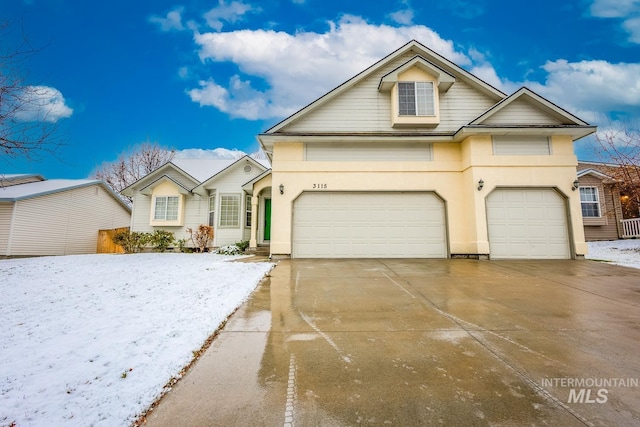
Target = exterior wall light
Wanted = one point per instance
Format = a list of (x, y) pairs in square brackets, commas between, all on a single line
[(576, 184), (480, 184), (281, 188)]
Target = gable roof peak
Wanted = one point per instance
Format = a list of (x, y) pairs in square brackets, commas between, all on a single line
[(539, 102), (418, 49)]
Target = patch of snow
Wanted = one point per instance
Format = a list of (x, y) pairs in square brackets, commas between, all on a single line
[(622, 252), (92, 339)]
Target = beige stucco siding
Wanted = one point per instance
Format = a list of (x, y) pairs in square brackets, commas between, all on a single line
[(453, 174), (65, 223)]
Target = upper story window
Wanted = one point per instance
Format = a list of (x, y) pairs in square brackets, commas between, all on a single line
[(166, 208), (590, 202), (416, 99), (416, 89)]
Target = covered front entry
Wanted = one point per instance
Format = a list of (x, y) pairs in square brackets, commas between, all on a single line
[(527, 223), (369, 225)]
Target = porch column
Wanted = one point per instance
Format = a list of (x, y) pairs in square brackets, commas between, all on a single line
[(253, 242)]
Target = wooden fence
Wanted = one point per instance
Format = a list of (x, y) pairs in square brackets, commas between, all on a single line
[(105, 241)]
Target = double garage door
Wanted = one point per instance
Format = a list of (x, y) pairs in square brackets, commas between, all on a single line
[(522, 223), (369, 225)]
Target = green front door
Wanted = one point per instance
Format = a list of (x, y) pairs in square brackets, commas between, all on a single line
[(267, 219)]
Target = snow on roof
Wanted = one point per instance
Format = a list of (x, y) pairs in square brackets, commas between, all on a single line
[(40, 188), (202, 169)]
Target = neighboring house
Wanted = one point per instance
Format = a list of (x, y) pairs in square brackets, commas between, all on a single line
[(186, 193), (602, 202), (56, 216), (416, 157)]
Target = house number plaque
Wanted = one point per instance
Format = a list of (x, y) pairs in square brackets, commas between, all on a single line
[(319, 186)]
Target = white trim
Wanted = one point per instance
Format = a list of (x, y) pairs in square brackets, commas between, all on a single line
[(524, 145), (220, 210), (590, 202)]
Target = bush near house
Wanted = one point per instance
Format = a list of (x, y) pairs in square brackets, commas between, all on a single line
[(201, 237), (131, 241), (235, 249), (161, 240), (134, 242)]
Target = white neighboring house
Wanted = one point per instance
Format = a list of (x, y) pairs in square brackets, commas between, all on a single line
[(56, 216), (187, 193)]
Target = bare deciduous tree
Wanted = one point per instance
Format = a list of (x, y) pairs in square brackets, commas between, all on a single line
[(620, 146), (133, 165), (29, 113)]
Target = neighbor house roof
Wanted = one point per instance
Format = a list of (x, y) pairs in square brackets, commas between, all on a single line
[(12, 178), (595, 173), (51, 186)]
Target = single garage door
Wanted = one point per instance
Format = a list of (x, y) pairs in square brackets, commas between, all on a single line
[(527, 223), (369, 225)]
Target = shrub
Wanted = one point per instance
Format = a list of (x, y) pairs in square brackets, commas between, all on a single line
[(182, 246), (229, 250), (131, 242), (201, 237), (243, 245), (160, 240)]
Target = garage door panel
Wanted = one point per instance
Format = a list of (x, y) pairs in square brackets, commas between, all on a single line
[(527, 223), (366, 225)]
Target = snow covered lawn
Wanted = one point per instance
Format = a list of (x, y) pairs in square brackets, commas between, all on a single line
[(91, 340), (622, 252)]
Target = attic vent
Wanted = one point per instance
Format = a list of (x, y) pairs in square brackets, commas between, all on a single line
[(247, 168)]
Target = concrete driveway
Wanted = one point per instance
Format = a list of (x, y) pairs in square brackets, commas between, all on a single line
[(423, 342)]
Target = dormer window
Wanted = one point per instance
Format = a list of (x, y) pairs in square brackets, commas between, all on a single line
[(416, 99), (415, 89)]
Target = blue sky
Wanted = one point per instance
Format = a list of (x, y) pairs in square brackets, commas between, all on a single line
[(209, 75)]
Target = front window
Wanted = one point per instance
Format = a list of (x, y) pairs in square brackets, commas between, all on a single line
[(230, 210), (166, 208), (212, 210), (247, 219), (590, 202), (416, 99)]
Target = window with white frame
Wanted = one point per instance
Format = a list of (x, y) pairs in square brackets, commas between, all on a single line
[(166, 208), (590, 202), (247, 214), (416, 99), (229, 211), (212, 209)]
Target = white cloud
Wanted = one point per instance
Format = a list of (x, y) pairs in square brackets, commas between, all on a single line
[(216, 153), (230, 13), (173, 20), (588, 88), (404, 16), (614, 8), (298, 68), (627, 10), (632, 26), (42, 103)]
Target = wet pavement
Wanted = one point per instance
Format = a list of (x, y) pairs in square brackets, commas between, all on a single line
[(423, 342)]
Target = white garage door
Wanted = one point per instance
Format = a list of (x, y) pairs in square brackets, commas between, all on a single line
[(527, 223), (369, 225)]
